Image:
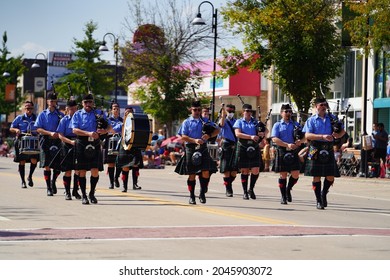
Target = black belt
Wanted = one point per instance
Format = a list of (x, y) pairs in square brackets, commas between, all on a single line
[(193, 146), (322, 145), (247, 142)]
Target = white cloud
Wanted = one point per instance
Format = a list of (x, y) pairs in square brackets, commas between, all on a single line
[(29, 50)]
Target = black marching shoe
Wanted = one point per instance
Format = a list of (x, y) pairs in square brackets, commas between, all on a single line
[(319, 205), (229, 192), (111, 186), (124, 190), (202, 198), (30, 182), (93, 199), (136, 187), (252, 194), (288, 193), (324, 200), (54, 187), (116, 182), (192, 200), (85, 200), (245, 196), (49, 192), (24, 185), (68, 196), (76, 194), (283, 200)]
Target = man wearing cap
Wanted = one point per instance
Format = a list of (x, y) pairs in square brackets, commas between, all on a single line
[(68, 139), (127, 159), (248, 150), (286, 159), (22, 125), (116, 123), (320, 160), (228, 165), (88, 124), (196, 159), (46, 124)]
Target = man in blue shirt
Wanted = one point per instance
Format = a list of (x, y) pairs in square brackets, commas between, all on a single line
[(22, 125), (196, 160), (228, 163), (248, 150), (88, 124), (68, 139), (320, 160), (286, 159), (46, 125)]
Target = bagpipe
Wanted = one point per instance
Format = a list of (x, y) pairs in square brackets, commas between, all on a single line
[(101, 122), (298, 133)]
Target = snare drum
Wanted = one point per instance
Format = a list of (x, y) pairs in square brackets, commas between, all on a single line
[(136, 132), (213, 150), (29, 145), (113, 145)]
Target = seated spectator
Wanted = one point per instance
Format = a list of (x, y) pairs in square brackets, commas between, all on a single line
[(4, 149)]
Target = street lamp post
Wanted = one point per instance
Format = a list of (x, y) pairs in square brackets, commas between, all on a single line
[(103, 47), (36, 65), (199, 21)]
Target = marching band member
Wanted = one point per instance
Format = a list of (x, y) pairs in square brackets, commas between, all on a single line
[(248, 150), (196, 159), (228, 164), (286, 160), (88, 124), (46, 125), (22, 125), (68, 138), (127, 159), (116, 123), (320, 160)]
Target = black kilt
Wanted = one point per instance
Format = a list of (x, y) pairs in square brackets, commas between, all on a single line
[(315, 168), (87, 161), (50, 153), (228, 160), (186, 167), (281, 165), (106, 157), (68, 157), (244, 161), (129, 158), (22, 157)]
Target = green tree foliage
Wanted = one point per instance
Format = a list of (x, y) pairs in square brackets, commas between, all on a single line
[(14, 66), (86, 65), (370, 28), (163, 43), (292, 42)]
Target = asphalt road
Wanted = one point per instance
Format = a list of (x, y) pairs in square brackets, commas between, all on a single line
[(157, 223)]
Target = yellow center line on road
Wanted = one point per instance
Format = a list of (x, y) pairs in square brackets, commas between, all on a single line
[(210, 210)]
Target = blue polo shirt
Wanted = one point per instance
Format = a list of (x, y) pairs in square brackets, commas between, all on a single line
[(64, 127), (49, 120), (85, 120), (246, 127), (227, 131), (25, 123), (284, 131), (116, 124), (191, 127), (315, 124)]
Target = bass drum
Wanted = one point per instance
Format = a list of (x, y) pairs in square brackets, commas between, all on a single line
[(136, 131)]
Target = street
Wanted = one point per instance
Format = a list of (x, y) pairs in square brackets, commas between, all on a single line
[(157, 223)]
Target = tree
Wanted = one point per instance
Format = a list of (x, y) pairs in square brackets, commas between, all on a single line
[(293, 42), (86, 65), (14, 66), (370, 27), (162, 52)]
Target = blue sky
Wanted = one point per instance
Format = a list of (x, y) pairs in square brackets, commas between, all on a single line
[(35, 26)]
